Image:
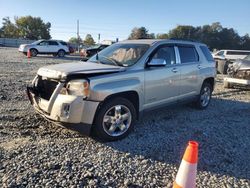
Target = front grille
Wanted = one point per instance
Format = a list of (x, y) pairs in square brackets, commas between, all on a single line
[(45, 88)]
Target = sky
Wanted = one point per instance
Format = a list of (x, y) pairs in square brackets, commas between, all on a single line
[(116, 18)]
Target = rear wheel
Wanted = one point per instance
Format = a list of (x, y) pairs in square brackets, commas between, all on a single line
[(61, 53), (205, 96), (114, 120)]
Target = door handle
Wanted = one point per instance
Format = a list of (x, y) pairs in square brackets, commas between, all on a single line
[(174, 70), (199, 66)]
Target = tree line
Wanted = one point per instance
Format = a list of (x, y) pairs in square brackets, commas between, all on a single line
[(215, 35), (25, 27)]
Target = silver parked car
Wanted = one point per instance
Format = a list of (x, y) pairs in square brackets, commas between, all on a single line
[(109, 92)]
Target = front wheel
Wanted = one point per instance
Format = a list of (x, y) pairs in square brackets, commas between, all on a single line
[(204, 97), (114, 120), (33, 52)]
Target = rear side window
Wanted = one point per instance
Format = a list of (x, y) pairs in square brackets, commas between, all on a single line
[(188, 54), (64, 43), (206, 53), (53, 43), (237, 53)]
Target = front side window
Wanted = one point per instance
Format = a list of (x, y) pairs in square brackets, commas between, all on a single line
[(167, 53), (120, 54), (44, 43), (220, 53), (188, 54)]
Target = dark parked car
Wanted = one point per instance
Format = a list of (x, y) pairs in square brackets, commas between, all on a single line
[(87, 53)]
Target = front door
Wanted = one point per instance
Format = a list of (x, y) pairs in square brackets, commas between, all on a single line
[(162, 82)]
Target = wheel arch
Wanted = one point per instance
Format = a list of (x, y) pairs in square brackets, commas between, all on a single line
[(209, 80), (131, 96)]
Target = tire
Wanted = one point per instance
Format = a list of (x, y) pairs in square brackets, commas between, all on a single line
[(33, 52), (61, 53), (204, 97), (114, 120)]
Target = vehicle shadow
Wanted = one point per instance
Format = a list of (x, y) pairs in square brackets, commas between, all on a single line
[(222, 132)]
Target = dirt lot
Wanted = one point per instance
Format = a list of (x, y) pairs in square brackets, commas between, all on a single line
[(35, 153)]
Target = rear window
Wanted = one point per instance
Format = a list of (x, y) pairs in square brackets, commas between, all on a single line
[(188, 54), (206, 53), (237, 53)]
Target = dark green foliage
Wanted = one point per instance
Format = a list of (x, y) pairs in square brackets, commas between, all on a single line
[(26, 27), (214, 35)]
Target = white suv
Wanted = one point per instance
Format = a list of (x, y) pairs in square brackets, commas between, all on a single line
[(54, 47), (231, 54)]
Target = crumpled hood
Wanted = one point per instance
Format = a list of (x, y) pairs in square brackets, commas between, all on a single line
[(241, 64), (61, 71)]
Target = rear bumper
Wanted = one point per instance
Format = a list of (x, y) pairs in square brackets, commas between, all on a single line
[(68, 111)]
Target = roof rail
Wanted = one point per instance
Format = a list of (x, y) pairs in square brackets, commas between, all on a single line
[(183, 39)]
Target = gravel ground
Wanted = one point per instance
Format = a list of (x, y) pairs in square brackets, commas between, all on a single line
[(35, 153)]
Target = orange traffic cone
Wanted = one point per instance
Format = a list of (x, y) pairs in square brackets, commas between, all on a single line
[(186, 175), (28, 54)]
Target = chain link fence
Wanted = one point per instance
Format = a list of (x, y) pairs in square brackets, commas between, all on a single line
[(9, 42)]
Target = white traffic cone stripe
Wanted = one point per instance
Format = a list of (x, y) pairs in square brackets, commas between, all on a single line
[(186, 175)]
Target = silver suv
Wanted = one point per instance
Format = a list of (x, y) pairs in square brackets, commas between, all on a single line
[(109, 92)]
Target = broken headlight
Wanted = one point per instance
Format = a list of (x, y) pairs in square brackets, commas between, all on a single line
[(76, 87)]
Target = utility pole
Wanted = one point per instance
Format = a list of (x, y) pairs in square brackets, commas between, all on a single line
[(78, 37), (99, 37)]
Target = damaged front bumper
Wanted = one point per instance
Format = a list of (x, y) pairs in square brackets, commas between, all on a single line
[(68, 111), (237, 81)]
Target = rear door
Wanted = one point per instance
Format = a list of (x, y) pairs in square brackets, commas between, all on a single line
[(53, 47), (162, 83), (189, 69)]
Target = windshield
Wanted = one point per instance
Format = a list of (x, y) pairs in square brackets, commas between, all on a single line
[(247, 58), (36, 42), (121, 54), (94, 46)]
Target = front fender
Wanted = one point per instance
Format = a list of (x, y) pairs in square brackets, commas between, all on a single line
[(102, 90)]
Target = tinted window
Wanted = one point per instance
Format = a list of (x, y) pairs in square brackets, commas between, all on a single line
[(44, 43), (237, 53), (53, 43), (167, 53), (64, 43), (220, 53), (206, 53), (188, 54)]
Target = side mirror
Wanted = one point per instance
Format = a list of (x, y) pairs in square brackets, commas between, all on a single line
[(157, 62)]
